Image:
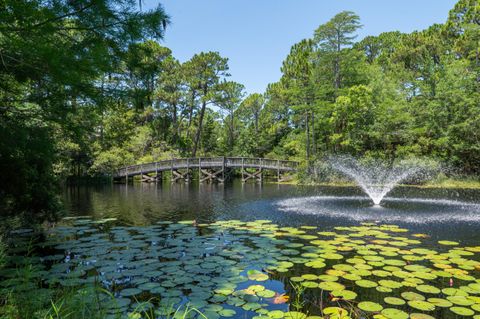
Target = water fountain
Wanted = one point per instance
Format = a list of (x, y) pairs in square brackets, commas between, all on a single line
[(375, 177)]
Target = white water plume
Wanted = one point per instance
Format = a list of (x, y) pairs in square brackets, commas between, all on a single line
[(375, 177)]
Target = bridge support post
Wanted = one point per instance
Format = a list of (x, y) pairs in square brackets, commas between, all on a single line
[(179, 175), (209, 169), (279, 176), (256, 176), (211, 175)]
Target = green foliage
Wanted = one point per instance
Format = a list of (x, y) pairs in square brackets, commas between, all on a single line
[(55, 57), (26, 160), (86, 88), (390, 96)]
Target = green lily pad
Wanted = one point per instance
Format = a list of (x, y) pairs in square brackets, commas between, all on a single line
[(366, 283), (462, 311), (370, 306), (316, 264), (460, 300), (392, 313), (344, 294), (335, 312), (411, 296), (266, 293), (421, 305), (309, 277), (276, 314), (394, 301), (428, 289), (383, 289), (390, 284), (227, 313), (256, 275), (310, 284), (129, 292), (420, 316), (439, 302), (454, 292), (331, 286), (448, 243)]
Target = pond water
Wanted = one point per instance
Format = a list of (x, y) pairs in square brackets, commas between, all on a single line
[(442, 213), (269, 251)]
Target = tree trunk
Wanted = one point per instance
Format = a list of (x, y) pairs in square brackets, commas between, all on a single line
[(314, 142), (200, 124), (232, 130), (337, 65), (174, 123), (190, 115), (307, 134)]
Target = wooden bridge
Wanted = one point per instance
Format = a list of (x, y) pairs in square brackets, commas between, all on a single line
[(209, 169)]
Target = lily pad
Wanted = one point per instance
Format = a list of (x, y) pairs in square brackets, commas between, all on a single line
[(129, 292), (448, 243), (462, 311), (331, 286), (428, 289), (421, 305), (394, 301), (439, 302), (266, 293), (366, 283), (412, 296), (392, 313), (227, 313), (370, 306), (256, 275)]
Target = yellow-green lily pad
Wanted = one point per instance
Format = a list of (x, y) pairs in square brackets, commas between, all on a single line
[(370, 306)]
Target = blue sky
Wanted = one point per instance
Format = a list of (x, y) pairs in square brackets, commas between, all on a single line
[(256, 35)]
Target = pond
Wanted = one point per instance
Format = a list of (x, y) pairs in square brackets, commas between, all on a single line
[(443, 213), (269, 251)]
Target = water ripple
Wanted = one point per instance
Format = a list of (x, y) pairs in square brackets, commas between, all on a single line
[(410, 210)]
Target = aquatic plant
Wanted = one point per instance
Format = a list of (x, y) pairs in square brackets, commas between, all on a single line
[(253, 269)]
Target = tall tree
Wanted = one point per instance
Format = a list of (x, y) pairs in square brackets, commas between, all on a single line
[(332, 37), (297, 71), (204, 72), (53, 55), (144, 65), (229, 99), (171, 94), (249, 110)]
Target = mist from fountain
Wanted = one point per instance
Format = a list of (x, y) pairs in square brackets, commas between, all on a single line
[(375, 177)]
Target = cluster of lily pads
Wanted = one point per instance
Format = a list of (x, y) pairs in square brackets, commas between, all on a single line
[(257, 269)]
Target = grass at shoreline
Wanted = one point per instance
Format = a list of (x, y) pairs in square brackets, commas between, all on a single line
[(436, 183)]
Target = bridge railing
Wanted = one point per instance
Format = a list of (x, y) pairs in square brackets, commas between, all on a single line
[(211, 161), (207, 162), (261, 162)]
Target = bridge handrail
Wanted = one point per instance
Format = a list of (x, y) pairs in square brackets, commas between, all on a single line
[(196, 162)]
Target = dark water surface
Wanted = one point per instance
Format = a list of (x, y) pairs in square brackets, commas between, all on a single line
[(452, 214), (164, 247)]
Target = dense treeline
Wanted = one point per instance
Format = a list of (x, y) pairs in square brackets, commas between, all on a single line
[(86, 87), (394, 95), (58, 62)]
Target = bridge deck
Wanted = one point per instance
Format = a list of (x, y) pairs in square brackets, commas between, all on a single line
[(207, 163)]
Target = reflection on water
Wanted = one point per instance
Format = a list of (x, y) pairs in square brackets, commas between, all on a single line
[(447, 214)]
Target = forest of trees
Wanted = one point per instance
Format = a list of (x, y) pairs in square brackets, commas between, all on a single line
[(87, 86)]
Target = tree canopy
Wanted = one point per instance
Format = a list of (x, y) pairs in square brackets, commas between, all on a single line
[(86, 87)]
